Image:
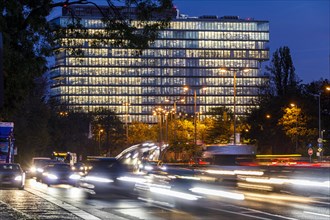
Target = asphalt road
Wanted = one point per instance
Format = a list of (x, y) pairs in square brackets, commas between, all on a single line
[(38, 201)]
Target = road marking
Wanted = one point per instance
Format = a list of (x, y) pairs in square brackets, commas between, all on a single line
[(236, 213), (74, 210), (314, 213), (265, 213)]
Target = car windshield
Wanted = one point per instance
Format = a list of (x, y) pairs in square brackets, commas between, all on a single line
[(9, 167)]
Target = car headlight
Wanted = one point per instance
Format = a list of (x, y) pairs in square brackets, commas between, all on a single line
[(98, 179), (74, 177), (33, 169), (19, 178), (51, 176), (40, 170)]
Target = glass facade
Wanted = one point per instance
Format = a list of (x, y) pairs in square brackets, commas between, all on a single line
[(191, 52)]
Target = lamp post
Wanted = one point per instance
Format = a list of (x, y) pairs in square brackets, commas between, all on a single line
[(296, 107), (126, 119), (320, 139), (100, 131), (160, 112), (186, 88), (175, 101), (235, 70)]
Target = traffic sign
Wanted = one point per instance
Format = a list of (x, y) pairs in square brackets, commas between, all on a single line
[(319, 140), (320, 145), (310, 151), (319, 149)]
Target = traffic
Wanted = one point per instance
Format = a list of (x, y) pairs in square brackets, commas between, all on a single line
[(223, 173)]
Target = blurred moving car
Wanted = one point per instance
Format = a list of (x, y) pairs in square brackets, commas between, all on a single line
[(148, 166), (12, 176), (59, 173), (36, 165), (79, 167), (42, 166), (104, 177)]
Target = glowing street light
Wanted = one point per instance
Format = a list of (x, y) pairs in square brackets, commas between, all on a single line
[(100, 131), (195, 88), (126, 118), (235, 70)]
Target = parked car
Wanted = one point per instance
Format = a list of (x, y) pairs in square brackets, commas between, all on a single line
[(12, 176), (59, 173)]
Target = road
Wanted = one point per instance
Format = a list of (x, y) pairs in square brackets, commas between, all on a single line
[(38, 201)]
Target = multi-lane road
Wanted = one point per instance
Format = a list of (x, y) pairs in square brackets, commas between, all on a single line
[(38, 201)]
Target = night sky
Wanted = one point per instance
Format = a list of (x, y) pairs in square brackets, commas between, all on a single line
[(302, 25)]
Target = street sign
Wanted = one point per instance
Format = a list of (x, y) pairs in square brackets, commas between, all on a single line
[(310, 151), (319, 140)]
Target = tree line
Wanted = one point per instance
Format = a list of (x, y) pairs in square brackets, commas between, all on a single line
[(28, 38)]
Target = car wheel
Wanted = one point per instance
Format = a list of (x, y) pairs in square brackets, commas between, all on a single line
[(21, 187)]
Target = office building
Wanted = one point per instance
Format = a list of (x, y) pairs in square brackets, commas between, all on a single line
[(191, 52)]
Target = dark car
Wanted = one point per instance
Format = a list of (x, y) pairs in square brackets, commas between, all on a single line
[(12, 176), (36, 165), (79, 167), (104, 177), (60, 173), (41, 165)]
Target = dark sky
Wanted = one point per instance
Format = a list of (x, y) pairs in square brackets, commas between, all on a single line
[(302, 25)]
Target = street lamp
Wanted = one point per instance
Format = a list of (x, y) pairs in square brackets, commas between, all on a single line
[(126, 119), (100, 131), (320, 139), (235, 70), (160, 112), (175, 101), (195, 88)]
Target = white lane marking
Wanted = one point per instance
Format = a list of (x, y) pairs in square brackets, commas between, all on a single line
[(265, 213), (74, 210), (236, 213), (314, 213)]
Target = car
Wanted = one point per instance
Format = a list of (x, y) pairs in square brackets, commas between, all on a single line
[(41, 165), (36, 164), (59, 173), (104, 178), (79, 167), (148, 166), (12, 176)]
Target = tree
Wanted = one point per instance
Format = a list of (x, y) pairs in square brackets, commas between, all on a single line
[(28, 37), (31, 126), (113, 140), (282, 72), (294, 124), (222, 126), (140, 132), (68, 132)]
